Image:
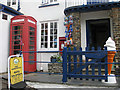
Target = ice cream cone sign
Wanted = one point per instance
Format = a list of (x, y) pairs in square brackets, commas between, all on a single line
[(111, 49)]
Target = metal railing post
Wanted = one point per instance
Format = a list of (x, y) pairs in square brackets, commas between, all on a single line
[(64, 79)]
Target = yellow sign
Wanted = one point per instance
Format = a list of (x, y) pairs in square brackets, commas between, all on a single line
[(16, 70)]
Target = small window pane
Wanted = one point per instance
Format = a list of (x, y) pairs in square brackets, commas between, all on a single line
[(32, 29), (46, 38), (55, 31), (51, 31), (16, 37), (55, 44), (46, 26), (51, 25), (51, 44), (46, 45), (31, 47), (42, 45), (13, 2), (42, 38), (17, 47), (42, 32), (32, 33), (51, 38), (55, 38), (4, 16), (16, 32), (17, 27), (42, 26), (16, 52), (46, 32), (32, 38), (55, 25), (32, 43), (16, 42)]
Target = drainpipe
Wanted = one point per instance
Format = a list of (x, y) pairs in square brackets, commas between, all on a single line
[(18, 5)]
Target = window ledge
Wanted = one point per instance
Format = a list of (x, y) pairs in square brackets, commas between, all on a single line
[(47, 5)]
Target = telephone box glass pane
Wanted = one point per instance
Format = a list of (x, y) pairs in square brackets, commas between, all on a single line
[(32, 29), (32, 38), (31, 47), (32, 42), (16, 52), (17, 47), (16, 42), (32, 34)]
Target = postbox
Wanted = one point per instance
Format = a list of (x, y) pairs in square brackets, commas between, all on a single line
[(23, 38), (61, 43)]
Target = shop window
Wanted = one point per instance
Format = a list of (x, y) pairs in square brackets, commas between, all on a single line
[(4, 16), (49, 35)]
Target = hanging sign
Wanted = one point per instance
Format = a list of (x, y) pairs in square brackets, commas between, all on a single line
[(15, 70)]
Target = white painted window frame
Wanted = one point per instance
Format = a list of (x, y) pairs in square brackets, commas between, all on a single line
[(49, 49)]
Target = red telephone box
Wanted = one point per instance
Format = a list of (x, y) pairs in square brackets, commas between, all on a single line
[(23, 38), (61, 43)]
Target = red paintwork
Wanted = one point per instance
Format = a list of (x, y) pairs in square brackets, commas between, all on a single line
[(25, 41), (61, 41)]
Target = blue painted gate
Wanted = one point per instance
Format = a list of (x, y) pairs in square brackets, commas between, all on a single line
[(75, 67)]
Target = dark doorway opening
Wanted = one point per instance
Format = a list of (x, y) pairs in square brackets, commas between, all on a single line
[(98, 32)]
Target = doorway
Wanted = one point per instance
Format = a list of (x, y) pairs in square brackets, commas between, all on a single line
[(97, 32)]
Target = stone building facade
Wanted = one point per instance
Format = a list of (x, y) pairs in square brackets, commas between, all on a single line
[(113, 11), (115, 15)]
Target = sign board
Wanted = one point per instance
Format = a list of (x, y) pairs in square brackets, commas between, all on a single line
[(15, 69)]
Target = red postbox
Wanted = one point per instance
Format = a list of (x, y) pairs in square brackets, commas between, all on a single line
[(23, 38), (61, 43)]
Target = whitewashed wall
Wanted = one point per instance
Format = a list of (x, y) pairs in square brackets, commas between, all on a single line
[(1, 50), (4, 46), (45, 14), (13, 6)]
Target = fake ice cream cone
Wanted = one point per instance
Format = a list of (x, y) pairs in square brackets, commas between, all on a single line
[(111, 55)]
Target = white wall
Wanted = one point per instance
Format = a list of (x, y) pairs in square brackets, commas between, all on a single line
[(1, 50), (3, 2), (44, 14), (31, 7), (4, 46), (90, 16), (13, 6)]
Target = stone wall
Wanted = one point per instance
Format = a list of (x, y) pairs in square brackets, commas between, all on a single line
[(76, 30), (115, 15), (55, 68)]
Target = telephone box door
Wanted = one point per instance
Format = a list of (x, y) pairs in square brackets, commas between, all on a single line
[(23, 38)]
